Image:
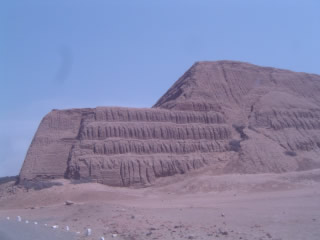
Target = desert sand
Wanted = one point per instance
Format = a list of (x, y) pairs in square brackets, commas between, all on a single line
[(197, 205)]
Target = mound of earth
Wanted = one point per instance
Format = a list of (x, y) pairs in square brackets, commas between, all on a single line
[(229, 116)]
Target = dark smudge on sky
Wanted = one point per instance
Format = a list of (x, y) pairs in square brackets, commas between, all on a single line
[(65, 67)]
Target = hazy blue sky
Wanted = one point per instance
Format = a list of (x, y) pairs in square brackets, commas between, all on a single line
[(87, 53)]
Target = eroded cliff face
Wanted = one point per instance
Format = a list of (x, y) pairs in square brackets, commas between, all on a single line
[(125, 146), (48, 153), (277, 110), (227, 116)]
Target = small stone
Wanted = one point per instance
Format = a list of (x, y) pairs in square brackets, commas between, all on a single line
[(19, 219), (114, 235), (55, 226), (88, 232), (68, 203), (225, 233), (35, 223)]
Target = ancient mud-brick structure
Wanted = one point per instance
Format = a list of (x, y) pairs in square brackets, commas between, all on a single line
[(226, 116)]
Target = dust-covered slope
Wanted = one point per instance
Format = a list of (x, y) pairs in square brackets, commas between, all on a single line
[(213, 85), (275, 112)]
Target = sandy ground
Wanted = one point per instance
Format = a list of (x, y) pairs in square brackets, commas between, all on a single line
[(193, 206)]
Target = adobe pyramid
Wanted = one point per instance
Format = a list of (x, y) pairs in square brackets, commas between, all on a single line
[(228, 116)]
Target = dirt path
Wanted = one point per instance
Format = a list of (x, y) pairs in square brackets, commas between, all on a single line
[(13, 230)]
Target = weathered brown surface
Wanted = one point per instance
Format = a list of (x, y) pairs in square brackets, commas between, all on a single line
[(229, 116), (125, 146)]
